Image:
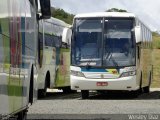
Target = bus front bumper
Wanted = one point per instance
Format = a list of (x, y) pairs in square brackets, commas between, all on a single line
[(126, 83)]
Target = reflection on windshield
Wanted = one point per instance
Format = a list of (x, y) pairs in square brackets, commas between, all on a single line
[(87, 44), (114, 48), (119, 45)]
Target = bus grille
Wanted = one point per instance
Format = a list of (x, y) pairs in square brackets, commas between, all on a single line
[(101, 75)]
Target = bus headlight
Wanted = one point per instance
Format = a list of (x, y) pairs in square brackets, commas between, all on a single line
[(130, 73), (77, 73)]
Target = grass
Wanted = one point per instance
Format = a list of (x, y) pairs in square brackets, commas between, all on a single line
[(156, 40), (156, 61)]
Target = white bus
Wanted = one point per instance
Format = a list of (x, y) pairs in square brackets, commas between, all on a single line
[(18, 55), (54, 37), (110, 51)]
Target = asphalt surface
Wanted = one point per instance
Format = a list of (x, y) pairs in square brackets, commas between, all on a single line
[(101, 106)]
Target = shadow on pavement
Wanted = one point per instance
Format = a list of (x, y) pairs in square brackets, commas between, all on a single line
[(111, 95), (117, 95), (60, 96)]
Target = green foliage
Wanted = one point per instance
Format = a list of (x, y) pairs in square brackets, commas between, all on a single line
[(62, 15), (115, 10), (121, 10)]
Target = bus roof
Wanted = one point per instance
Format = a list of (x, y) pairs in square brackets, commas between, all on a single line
[(57, 22), (105, 14)]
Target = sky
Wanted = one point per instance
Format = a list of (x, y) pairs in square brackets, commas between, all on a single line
[(147, 11)]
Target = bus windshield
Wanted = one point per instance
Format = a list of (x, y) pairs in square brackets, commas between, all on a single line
[(119, 46), (104, 42)]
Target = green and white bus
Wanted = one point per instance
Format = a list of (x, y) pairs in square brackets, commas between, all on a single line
[(54, 37), (110, 51), (19, 54)]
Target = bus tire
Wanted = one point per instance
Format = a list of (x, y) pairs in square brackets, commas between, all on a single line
[(147, 88), (85, 94), (31, 89), (68, 90), (42, 92), (22, 115), (140, 85)]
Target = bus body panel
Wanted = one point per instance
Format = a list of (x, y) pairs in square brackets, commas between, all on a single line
[(18, 55), (63, 72), (112, 78), (48, 65), (95, 25), (144, 61), (126, 83)]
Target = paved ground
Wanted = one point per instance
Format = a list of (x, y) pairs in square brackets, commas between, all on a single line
[(70, 106)]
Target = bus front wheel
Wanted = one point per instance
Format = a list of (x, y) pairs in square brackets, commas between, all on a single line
[(68, 90), (22, 115), (85, 94), (42, 92)]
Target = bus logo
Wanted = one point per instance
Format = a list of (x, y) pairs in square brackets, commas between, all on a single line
[(102, 76), (114, 72)]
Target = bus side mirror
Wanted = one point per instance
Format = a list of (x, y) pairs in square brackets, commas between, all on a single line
[(45, 9), (66, 36), (137, 31)]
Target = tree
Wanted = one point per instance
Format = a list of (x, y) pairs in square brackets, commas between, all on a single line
[(115, 10), (62, 15)]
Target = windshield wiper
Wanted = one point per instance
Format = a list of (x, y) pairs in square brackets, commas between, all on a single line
[(90, 60), (107, 56)]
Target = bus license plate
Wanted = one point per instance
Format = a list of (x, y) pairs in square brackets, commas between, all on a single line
[(102, 83)]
